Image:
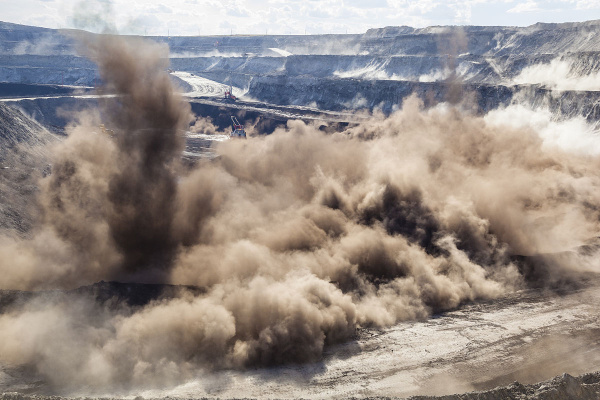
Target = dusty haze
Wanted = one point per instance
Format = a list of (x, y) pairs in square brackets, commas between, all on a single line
[(297, 238)]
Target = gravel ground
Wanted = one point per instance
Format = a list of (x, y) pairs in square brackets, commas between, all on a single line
[(527, 337)]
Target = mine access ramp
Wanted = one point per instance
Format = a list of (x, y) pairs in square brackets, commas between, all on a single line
[(238, 130)]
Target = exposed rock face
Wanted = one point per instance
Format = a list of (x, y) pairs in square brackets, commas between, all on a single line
[(375, 70), (23, 158)]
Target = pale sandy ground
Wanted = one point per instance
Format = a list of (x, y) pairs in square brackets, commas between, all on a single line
[(529, 337), (205, 87)]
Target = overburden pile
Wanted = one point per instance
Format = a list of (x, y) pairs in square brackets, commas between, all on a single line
[(296, 239)]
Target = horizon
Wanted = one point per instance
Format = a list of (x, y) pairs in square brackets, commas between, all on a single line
[(291, 17), (306, 34)]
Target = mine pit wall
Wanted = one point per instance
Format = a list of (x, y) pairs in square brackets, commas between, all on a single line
[(340, 95), (318, 66), (22, 162), (55, 113), (344, 94), (470, 68), (538, 38), (484, 54), (8, 89), (221, 118), (260, 44), (48, 69), (324, 80)]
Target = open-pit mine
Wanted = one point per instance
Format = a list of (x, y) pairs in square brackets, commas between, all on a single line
[(404, 212)]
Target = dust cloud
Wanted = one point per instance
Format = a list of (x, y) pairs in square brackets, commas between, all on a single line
[(452, 44), (558, 74), (296, 238)]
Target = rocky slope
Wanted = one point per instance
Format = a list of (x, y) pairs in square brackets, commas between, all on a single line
[(23, 160), (584, 387), (499, 65)]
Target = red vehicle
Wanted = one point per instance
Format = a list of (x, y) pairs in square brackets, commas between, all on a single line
[(229, 94), (238, 129)]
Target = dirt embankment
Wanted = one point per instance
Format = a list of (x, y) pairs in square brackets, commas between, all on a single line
[(561, 387), (585, 387)]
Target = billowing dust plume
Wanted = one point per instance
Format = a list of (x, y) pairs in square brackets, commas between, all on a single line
[(109, 205), (295, 239)]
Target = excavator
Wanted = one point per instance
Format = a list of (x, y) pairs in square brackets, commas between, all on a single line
[(229, 97), (238, 129)]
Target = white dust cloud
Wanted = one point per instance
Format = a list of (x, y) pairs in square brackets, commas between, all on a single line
[(558, 75)]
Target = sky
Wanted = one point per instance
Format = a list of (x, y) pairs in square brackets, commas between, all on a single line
[(238, 17)]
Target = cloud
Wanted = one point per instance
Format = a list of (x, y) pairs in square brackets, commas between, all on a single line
[(528, 6), (236, 9), (96, 16), (366, 4), (587, 4), (193, 17), (159, 9)]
